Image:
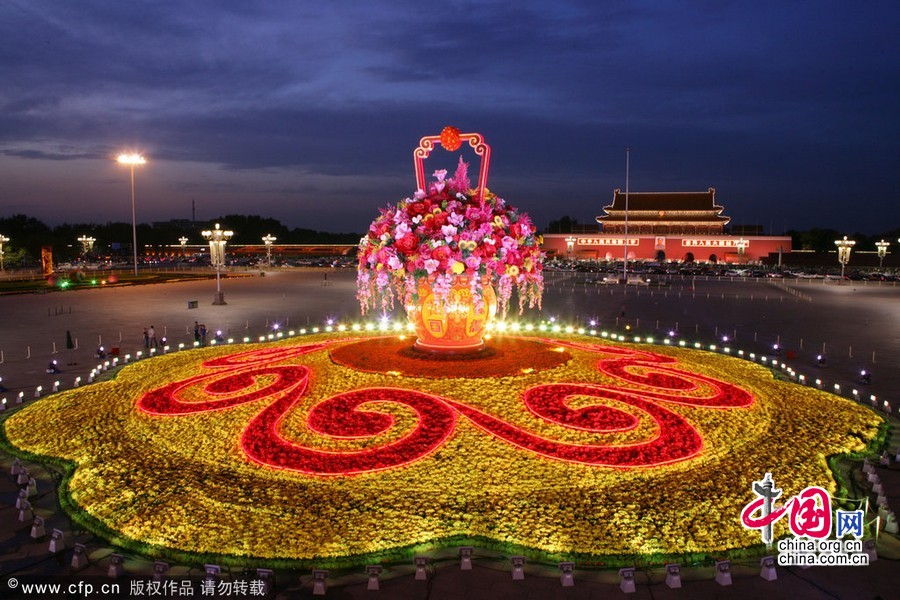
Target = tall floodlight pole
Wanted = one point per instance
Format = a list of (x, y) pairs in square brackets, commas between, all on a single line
[(217, 239), (844, 247), (267, 240), (3, 240), (131, 160), (625, 241), (882, 251)]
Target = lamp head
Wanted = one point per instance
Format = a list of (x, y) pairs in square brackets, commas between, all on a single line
[(131, 159)]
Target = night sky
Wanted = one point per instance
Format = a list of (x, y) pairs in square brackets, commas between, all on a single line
[(308, 112)]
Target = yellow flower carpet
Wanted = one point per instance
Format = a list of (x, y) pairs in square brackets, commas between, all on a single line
[(304, 449)]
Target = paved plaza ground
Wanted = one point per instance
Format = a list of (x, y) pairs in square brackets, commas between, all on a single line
[(856, 325)]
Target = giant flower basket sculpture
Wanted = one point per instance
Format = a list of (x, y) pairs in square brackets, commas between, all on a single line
[(442, 253)]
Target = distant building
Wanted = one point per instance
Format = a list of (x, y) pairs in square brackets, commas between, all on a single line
[(666, 226), (665, 212)]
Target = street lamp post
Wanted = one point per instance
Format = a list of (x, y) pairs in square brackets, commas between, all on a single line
[(131, 160), (741, 248), (3, 240), (267, 240), (87, 244), (184, 242), (882, 251), (570, 246), (844, 247), (217, 239)]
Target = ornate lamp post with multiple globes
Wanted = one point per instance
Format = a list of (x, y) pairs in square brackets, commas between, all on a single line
[(3, 240), (87, 244), (183, 240), (742, 248), (132, 160), (267, 240), (217, 239), (570, 246), (882, 251), (844, 247)]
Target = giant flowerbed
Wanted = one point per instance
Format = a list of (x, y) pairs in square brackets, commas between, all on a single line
[(327, 447)]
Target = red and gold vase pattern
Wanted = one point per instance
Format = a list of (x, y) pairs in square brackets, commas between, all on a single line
[(456, 325)]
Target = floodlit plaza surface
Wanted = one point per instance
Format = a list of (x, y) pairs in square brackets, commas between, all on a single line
[(855, 325)]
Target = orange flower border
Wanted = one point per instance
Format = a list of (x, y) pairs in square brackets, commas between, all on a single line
[(503, 357)]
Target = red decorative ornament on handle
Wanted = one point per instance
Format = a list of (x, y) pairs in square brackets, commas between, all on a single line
[(451, 139)]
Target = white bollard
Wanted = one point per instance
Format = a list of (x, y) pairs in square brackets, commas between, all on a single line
[(567, 578), (673, 576), (319, 585), (626, 580), (723, 572), (373, 571), (79, 557), (518, 567), (267, 577), (465, 558), (420, 562), (57, 541), (869, 549), (767, 568), (37, 528), (25, 513), (116, 566)]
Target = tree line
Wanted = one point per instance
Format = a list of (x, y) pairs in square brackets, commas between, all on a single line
[(28, 235)]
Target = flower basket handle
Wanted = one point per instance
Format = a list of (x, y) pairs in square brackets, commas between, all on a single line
[(451, 139)]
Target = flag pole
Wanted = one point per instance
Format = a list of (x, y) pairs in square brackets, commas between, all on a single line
[(625, 241)]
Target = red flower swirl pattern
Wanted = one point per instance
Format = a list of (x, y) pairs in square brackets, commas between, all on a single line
[(650, 382)]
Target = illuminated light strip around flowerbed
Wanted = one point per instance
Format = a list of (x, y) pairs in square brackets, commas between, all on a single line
[(343, 415)]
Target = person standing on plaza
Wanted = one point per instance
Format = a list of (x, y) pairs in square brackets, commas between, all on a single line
[(202, 334), (146, 338), (152, 333), (196, 332)]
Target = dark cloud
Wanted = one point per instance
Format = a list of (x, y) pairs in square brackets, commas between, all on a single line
[(311, 110)]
